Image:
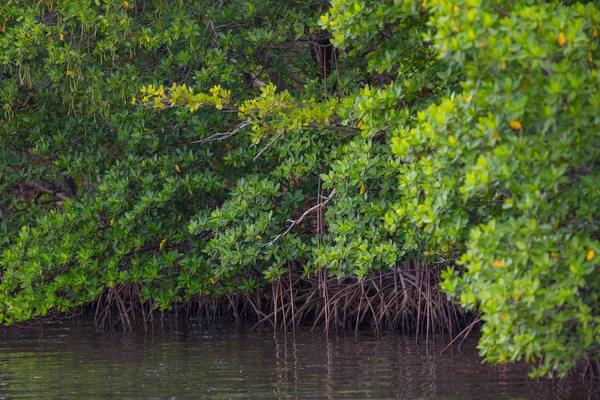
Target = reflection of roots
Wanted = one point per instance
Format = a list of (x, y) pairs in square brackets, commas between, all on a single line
[(403, 299)]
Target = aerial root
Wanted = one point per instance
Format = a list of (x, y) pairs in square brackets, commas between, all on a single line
[(406, 299)]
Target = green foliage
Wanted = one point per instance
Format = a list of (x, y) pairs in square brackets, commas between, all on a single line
[(462, 133), (157, 206), (509, 168)]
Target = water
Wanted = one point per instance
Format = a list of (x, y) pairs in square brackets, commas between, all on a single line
[(72, 360)]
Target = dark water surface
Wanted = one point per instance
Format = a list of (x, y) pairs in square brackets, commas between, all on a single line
[(72, 360)]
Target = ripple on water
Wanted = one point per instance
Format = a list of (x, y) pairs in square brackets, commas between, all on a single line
[(75, 361)]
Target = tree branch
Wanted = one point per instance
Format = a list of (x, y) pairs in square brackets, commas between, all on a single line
[(302, 217), (500, 10), (268, 145), (224, 135)]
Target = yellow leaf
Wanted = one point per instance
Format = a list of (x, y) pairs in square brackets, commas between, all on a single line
[(590, 255), (125, 4), (561, 39), (362, 189), (515, 125), (503, 64), (495, 137), (212, 281), (532, 358), (235, 163), (161, 244), (455, 8), (504, 315), (574, 269), (37, 377), (179, 218), (424, 3), (360, 124), (258, 237), (517, 296), (69, 73), (112, 222), (498, 264), (595, 33), (590, 56), (177, 168), (61, 36)]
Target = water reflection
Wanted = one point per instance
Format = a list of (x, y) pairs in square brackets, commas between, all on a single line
[(75, 361)]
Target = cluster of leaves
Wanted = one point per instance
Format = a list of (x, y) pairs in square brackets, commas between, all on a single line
[(157, 206), (460, 132), (505, 174)]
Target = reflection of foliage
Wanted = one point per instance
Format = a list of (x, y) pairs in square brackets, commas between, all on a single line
[(188, 176)]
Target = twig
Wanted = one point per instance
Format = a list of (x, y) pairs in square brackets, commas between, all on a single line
[(268, 145), (224, 135), (302, 217), (210, 25), (347, 129), (500, 10)]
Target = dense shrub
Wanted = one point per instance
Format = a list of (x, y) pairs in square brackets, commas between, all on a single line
[(180, 149)]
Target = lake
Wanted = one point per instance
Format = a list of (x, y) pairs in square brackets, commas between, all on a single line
[(73, 360)]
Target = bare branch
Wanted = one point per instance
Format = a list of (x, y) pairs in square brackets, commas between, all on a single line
[(39, 188), (210, 25), (347, 129), (268, 145), (302, 217), (223, 135), (500, 10)]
